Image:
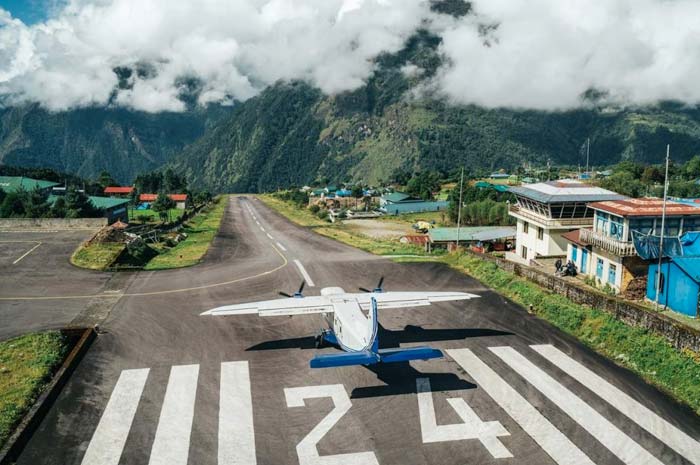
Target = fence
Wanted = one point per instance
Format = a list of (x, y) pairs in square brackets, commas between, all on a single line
[(678, 334), (15, 224)]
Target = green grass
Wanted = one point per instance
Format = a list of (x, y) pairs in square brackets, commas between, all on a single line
[(300, 216), (647, 354), (150, 216), (96, 256), (26, 366), (200, 230)]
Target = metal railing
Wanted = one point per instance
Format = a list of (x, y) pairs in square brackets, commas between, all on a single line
[(547, 221), (612, 245)]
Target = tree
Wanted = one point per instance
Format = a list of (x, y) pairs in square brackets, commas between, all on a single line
[(2, 195), (357, 192), (202, 197), (78, 205), (692, 168), (59, 209), (652, 175), (106, 180), (162, 206), (13, 205), (423, 185)]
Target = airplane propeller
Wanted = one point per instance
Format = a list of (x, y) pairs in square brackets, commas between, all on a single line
[(297, 294), (376, 289)]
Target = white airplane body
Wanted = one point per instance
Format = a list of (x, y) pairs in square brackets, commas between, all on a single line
[(352, 321)]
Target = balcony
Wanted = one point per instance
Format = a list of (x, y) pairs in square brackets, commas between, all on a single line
[(614, 246), (546, 221)]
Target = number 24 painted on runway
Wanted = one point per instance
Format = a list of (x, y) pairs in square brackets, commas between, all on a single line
[(470, 428)]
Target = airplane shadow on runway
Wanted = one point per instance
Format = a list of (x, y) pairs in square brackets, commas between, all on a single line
[(399, 378)]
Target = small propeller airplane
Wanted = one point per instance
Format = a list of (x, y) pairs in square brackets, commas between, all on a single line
[(352, 321)]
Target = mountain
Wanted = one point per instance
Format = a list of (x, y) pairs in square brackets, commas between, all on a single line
[(291, 134), (87, 141)]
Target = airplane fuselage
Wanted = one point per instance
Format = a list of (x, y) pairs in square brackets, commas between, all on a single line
[(353, 328)]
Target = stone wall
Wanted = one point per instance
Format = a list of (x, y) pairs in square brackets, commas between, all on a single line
[(18, 224), (679, 335)]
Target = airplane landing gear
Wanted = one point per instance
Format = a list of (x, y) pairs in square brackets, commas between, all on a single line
[(319, 341)]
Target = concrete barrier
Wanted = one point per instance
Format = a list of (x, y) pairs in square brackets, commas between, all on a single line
[(19, 224), (681, 336)]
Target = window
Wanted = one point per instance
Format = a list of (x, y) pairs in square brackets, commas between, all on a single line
[(612, 272), (574, 253), (523, 251), (540, 233), (599, 268), (526, 227)]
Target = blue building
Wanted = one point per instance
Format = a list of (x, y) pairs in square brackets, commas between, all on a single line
[(679, 284)]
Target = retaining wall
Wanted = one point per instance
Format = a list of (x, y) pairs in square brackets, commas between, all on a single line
[(10, 224), (679, 335)]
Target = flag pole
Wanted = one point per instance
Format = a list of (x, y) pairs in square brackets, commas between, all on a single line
[(459, 207), (663, 225)]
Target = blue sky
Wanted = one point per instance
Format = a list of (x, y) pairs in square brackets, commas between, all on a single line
[(30, 11)]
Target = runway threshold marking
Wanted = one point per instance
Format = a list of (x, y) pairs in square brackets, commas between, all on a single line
[(236, 431), (550, 439), (304, 274), (108, 441), (635, 411), (172, 441), (285, 262), (626, 449)]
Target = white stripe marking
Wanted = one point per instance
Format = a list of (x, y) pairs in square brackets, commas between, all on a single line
[(236, 433), (108, 440), (281, 246), (27, 253), (257, 222), (598, 426), (650, 421), (262, 229), (304, 274), (550, 439), (268, 235), (172, 442)]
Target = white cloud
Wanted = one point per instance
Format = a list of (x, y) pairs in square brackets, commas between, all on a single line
[(545, 53), (234, 48)]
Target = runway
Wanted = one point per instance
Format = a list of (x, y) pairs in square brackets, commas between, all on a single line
[(164, 385)]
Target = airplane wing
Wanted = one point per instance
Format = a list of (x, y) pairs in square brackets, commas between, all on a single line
[(409, 299), (277, 307)]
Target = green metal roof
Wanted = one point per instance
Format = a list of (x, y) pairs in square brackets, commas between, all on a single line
[(15, 183), (396, 197), (471, 233), (98, 202)]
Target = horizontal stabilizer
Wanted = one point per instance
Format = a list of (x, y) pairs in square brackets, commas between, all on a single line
[(344, 359), (409, 353)]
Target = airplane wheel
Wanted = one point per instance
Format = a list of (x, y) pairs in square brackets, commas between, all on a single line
[(319, 341)]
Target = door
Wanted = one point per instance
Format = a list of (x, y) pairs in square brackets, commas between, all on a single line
[(584, 260)]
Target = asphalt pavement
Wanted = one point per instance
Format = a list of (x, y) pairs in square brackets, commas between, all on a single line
[(163, 385)]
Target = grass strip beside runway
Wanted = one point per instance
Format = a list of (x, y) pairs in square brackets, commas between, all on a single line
[(647, 354), (26, 366), (200, 230), (96, 256)]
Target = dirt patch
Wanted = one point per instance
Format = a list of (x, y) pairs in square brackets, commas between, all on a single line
[(378, 229)]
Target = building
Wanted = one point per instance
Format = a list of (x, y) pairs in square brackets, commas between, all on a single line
[(179, 199), (679, 283), (113, 209), (16, 183), (487, 238), (397, 203), (606, 250), (547, 210), (118, 191)]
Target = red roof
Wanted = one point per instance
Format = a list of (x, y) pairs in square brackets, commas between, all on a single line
[(153, 197), (118, 190), (416, 239), (574, 236), (644, 207)]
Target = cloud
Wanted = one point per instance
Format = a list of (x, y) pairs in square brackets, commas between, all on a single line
[(546, 54), (232, 48), (542, 54)]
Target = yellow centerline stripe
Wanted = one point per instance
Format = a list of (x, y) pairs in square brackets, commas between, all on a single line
[(170, 291)]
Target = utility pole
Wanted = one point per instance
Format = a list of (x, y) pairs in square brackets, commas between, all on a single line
[(588, 152), (459, 207), (663, 226)]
